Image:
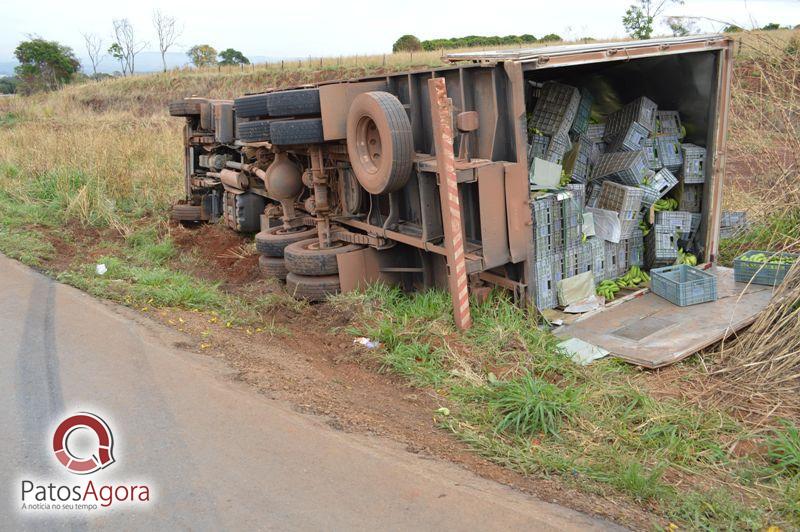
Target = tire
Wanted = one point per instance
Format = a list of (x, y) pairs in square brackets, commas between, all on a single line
[(254, 131), (289, 132), (306, 258), (294, 102), (379, 142), (251, 106), (312, 288), (184, 108), (272, 267), (271, 242), (248, 208)]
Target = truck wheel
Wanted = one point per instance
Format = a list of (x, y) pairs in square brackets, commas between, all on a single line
[(251, 106), (293, 103), (379, 142), (272, 267), (271, 242), (254, 131), (288, 132), (244, 211), (184, 108), (306, 257), (312, 288)]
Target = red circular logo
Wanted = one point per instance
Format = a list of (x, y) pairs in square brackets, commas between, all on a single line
[(100, 458)]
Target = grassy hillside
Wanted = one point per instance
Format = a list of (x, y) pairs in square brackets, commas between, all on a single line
[(87, 175)]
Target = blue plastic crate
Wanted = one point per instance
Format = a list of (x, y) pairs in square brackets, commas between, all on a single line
[(683, 285), (771, 274)]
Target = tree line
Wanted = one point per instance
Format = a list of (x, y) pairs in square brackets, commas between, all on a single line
[(47, 65)]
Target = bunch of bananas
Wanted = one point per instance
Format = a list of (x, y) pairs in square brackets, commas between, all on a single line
[(634, 277), (770, 259), (666, 204), (686, 258), (607, 289), (645, 227)]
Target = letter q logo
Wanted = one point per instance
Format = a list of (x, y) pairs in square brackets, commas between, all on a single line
[(100, 457)]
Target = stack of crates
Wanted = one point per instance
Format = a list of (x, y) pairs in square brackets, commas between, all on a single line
[(572, 213), (680, 222), (694, 164), (657, 187), (634, 250), (661, 247), (616, 255), (545, 280), (577, 259), (548, 238), (628, 168), (598, 254), (625, 201)]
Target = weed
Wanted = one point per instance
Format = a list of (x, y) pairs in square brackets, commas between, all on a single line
[(530, 405), (783, 449), (25, 246)]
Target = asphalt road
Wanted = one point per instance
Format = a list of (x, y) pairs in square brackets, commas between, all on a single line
[(217, 454)]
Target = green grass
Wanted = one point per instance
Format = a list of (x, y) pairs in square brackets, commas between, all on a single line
[(776, 232), (784, 450), (515, 399)]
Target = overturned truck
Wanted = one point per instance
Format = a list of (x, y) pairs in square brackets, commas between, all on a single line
[(433, 178)]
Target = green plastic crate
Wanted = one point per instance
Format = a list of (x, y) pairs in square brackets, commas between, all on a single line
[(771, 274), (683, 285)]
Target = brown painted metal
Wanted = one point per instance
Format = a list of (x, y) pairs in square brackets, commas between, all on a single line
[(442, 122)]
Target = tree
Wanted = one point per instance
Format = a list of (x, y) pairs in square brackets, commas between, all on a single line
[(202, 55), (407, 43), (233, 57), (44, 65), (94, 48), (733, 28), (125, 47), (682, 26), (772, 26), (8, 85), (167, 32), (550, 37), (638, 19)]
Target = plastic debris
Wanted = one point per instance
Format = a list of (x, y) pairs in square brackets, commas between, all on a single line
[(101, 269), (366, 342)]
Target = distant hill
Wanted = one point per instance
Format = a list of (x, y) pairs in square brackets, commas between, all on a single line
[(145, 62)]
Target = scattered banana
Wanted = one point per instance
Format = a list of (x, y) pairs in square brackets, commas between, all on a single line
[(666, 204), (645, 227), (632, 279), (686, 258), (770, 259)]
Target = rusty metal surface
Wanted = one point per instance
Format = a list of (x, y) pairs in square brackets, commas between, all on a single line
[(441, 117)]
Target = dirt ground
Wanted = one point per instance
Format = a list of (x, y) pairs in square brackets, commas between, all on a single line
[(302, 355)]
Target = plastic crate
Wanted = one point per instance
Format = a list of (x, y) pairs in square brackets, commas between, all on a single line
[(679, 222), (733, 218), (549, 147), (651, 154), (669, 152), (595, 132), (577, 259), (581, 121), (597, 252), (628, 168), (657, 186), (547, 231), (669, 123), (660, 247), (683, 285), (545, 295), (691, 198), (555, 109), (694, 164), (634, 249), (641, 110), (697, 218), (771, 274), (594, 188), (615, 258), (631, 138), (578, 191), (625, 200)]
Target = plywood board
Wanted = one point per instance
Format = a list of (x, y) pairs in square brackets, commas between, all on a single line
[(652, 332)]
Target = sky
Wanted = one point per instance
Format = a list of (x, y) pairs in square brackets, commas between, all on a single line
[(344, 27)]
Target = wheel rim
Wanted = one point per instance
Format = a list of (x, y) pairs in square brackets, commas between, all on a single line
[(285, 232), (314, 246), (368, 144)]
